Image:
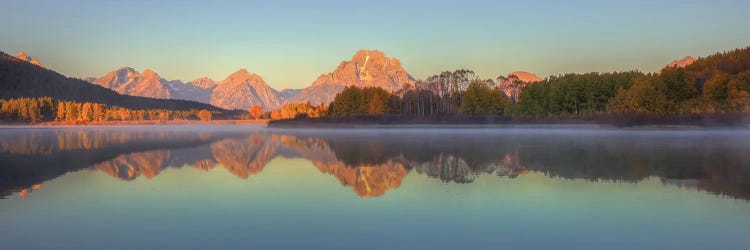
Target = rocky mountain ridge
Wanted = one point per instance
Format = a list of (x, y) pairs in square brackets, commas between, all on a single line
[(242, 89), (239, 91)]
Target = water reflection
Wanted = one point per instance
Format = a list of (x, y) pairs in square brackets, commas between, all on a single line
[(373, 162)]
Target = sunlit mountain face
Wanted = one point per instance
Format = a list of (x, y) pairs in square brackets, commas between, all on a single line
[(374, 163)]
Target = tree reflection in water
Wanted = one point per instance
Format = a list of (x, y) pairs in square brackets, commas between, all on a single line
[(371, 163)]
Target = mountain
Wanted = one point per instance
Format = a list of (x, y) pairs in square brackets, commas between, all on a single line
[(88, 79), (512, 84), (148, 84), (684, 62), (524, 76), (19, 78), (318, 94), (128, 81), (198, 90), (367, 68), (115, 78), (22, 55), (242, 90), (239, 91), (287, 94), (204, 83)]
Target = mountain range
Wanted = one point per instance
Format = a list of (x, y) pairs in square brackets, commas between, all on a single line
[(240, 90), (243, 89), (20, 77)]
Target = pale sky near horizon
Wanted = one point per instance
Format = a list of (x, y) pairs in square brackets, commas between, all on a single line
[(290, 43)]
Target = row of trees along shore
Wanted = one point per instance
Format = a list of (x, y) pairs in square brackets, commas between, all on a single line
[(716, 85), (45, 109)]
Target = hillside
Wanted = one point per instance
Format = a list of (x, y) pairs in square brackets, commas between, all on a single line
[(19, 78), (24, 57)]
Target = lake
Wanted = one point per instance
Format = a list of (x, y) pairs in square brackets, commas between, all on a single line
[(222, 186)]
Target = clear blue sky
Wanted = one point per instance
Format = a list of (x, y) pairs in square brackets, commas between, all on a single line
[(290, 43)]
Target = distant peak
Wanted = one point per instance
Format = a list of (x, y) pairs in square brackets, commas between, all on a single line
[(205, 78), (126, 69), (123, 73), (525, 76), (684, 62), (149, 72), (204, 82), (23, 56), (368, 53), (242, 73)]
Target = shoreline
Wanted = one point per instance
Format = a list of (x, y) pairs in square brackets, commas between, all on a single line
[(138, 123), (692, 122), (401, 124), (517, 126)]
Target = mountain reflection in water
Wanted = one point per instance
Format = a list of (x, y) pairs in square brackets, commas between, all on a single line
[(372, 162)]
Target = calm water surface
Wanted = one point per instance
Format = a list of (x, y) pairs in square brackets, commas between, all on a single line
[(222, 187)]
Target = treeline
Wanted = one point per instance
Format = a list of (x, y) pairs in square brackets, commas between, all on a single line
[(438, 95), (479, 99), (476, 98), (355, 101), (572, 94), (44, 109), (298, 110), (289, 111), (717, 85)]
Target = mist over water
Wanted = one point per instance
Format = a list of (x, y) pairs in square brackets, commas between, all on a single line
[(244, 186)]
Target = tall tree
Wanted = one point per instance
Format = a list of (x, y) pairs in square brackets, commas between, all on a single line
[(204, 115), (256, 112)]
